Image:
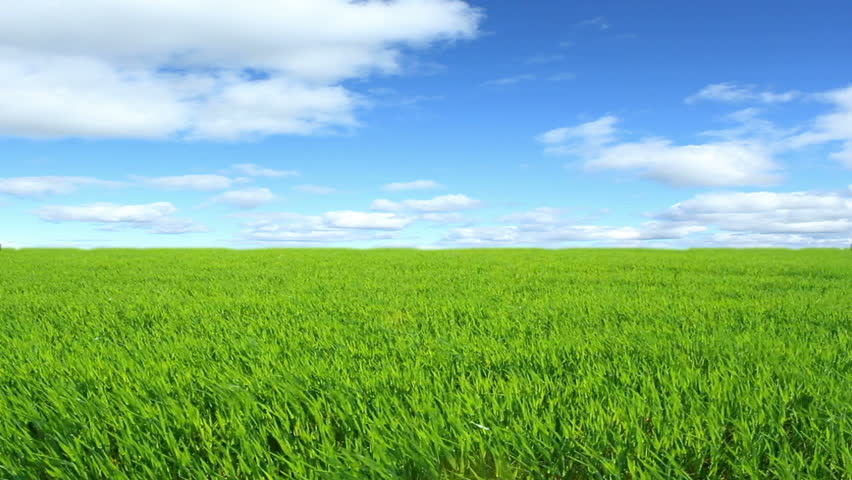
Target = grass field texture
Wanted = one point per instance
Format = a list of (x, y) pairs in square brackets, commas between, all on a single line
[(401, 364)]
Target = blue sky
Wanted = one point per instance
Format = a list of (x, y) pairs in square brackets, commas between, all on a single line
[(426, 123)]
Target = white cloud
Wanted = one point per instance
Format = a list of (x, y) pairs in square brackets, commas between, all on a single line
[(154, 217), (413, 185), (845, 155), (245, 198), (767, 212), (581, 137), (736, 219), (706, 165), (444, 203), (545, 226), (538, 216), (107, 213), (315, 189), (253, 170), (40, 186), (364, 220), (549, 236), (300, 237), (726, 163), (831, 127), (483, 236), (331, 227), (201, 183), (750, 127), (385, 205), (764, 240), (734, 93), (256, 67), (646, 231), (177, 226)]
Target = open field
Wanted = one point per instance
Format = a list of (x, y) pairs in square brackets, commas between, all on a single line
[(341, 364)]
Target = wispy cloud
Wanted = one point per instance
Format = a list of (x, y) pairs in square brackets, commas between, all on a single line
[(545, 58), (246, 198), (444, 203), (201, 183), (599, 23), (412, 185), (155, 217), (562, 76), (835, 126), (512, 80), (736, 93), (49, 185), (253, 170)]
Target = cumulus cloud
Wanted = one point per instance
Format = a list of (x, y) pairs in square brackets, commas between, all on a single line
[(253, 170), (107, 212), (735, 93), (155, 217), (548, 235), (41, 186), (201, 183), (444, 203), (331, 227), (736, 219), (177, 226), (412, 185), (257, 67), (539, 216), (767, 240), (706, 165), (245, 198), (767, 212), (305, 237), (715, 164), (548, 226), (365, 220)]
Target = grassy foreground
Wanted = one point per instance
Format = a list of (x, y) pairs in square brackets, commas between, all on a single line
[(336, 364)]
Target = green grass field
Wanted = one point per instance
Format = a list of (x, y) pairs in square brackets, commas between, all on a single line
[(339, 364)]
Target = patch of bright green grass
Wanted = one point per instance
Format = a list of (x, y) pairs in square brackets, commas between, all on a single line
[(399, 364)]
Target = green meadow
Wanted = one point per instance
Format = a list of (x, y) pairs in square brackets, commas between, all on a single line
[(404, 364)]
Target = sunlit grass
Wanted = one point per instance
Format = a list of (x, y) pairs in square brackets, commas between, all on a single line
[(125, 364)]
